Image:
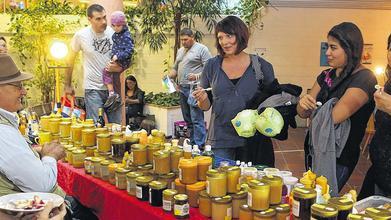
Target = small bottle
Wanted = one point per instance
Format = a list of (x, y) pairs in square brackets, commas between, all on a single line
[(196, 151), (238, 163), (250, 164), (100, 123), (187, 151), (208, 152)]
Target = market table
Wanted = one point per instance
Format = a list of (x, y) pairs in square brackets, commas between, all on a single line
[(107, 201)]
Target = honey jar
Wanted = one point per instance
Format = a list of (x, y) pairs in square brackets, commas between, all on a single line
[(131, 182), (78, 157), (56, 137), (103, 142), (323, 212), (54, 125), (192, 191), (238, 199), (344, 206), (283, 212), (118, 148), (180, 187), (65, 159), (205, 204), (145, 169), (112, 167), (168, 199), (45, 123), (152, 148), (101, 131), (233, 175), (303, 198), (175, 156), (216, 183), (88, 137), (378, 213), (275, 183), (65, 129), (130, 141), (87, 165), (359, 217), (267, 214), (69, 154), (181, 206), (95, 166), (222, 207), (120, 178), (104, 169), (142, 187), (76, 133), (156, 189), (169, 178), (188, 171), (161, 162), (139, 154), (245, 213), (258, 195), (204, 164), (90, 151)]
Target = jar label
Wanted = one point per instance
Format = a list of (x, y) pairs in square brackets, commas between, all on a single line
[(207, 187), (229, 212), (167, 205), (104, 171), (139, 192), (296, 208), (116, 182), (249, 199), (181, 210)]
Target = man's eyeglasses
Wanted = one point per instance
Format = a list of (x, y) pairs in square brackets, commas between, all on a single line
[(18, 85)]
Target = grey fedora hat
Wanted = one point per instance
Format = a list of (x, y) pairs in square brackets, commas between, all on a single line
[(9, 72)]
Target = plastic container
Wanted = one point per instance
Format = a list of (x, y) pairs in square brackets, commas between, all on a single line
[(188, 171), (204, 164), (180, 187), (192, 191), (238, 199), (378, 213), (175, 156)]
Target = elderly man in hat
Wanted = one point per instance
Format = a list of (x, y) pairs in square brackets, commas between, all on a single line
[(22, 167)]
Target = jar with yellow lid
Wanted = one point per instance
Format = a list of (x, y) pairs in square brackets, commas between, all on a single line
[(87, 165), (105, 155), (323, 212), (89, 126), (145, 169), (233, 175), (378, 213), (69, 154), (112, 167), (76, 133), (344, 206), (44, 122), (258, 195), (120, 178), (152, 148), (161, 162), (65, 159), (65, 129), (156, 189), (205, 204), (359, 217), (142, 187), (179, 186), (129, 142), (95, 166), (118, 148), (90, 151), (77, 144), (204, 164), (101, 131), (160, 137), (275, 183), (88, 137), (268, 214), (78, 156), (216, 183), (103, 142), (169, 178), (88, 121), (192, 191), (245, 213), (238, 199), (139, 152), (188, 171), (117, 135), (168, 199), (181, 206), (222, 207), (303, 199), (175, 156), (283, 212), (104, 169), (131, 182), (54, 125)]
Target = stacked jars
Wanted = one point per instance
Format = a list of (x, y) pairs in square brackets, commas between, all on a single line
[(118, 149), (103, 142), (161, 162)]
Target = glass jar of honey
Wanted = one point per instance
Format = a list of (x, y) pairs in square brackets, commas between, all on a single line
[(258, 195), (101, 131), (180, 187), (112, 167), (65, 159), (169, 178), (142, 187), (222, 207), (54, 125), (69, 154), (204, 164), (275, 183), (192, 191), (65, 129), (378, 213), (245, 213), (238, 199), (104, 169), (161, 162), (103, 142), (152, 148), (56, 137), (188, 171), (76, 133), (359, 217), (145, 169), (120, 178), (344, 206), (95, 166), (181, 206), (268, 214), (323, 212), (88, 137), (139, 152), (175, 156), (44, 122), (303, 198), (156, 189), (90, 151), (233, 176), (216, 183), (205, 204), (283, 212), (78, 157), (130, 141), (87, 165), (118, 148), (106, 155), (168, 199), (131, 182)]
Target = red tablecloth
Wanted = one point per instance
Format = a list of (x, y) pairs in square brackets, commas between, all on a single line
[(107, 201)]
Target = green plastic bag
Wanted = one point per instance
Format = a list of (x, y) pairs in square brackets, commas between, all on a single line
[(244, 122), (269, 122)]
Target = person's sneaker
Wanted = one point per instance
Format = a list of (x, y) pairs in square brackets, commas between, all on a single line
[(113, 103)]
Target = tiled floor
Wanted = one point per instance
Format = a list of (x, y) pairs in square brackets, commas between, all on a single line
[(290, 156)]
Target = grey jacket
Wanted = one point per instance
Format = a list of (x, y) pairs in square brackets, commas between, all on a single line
[(283, 99), (327, 142)]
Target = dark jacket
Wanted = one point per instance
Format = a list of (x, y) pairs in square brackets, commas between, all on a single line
[(123, 47)]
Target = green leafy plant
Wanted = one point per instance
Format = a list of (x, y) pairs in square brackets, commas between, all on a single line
[(163, 99), (32, 31)]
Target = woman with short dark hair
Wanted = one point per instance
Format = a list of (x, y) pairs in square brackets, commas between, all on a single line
[(134, 100), (234, 85)]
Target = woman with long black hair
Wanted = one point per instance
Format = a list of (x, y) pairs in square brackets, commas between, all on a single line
[(134, 100)]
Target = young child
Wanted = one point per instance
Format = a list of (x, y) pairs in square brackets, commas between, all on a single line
[(121, 52)]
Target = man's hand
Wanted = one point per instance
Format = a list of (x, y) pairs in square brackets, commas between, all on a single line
[(53, 149), (192, 77), (69, 90), (113, 67)]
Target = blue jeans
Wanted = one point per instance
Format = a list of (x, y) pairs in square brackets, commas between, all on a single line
[(94, 100), (194, 118)]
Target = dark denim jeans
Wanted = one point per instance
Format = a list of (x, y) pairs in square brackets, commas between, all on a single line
[(193, 116), (94, 100)]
